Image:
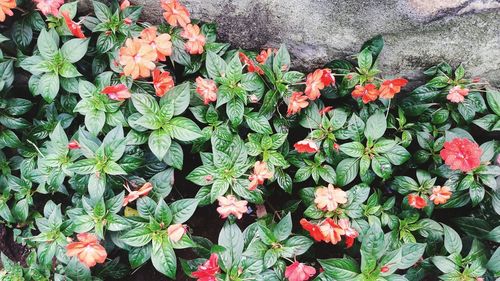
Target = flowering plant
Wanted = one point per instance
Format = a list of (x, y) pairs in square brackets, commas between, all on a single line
[(128, 147)]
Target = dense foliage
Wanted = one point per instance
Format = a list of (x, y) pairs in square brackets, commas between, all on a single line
[(339, 174)]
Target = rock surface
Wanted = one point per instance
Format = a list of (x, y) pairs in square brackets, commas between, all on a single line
[(418, 33)]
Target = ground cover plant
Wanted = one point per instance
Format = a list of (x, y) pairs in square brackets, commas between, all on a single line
[(135, 150)]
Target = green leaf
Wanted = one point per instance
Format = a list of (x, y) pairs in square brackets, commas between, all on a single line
[(184, 129), (444, 264), (216, 66), (234, 69), (74, 49), (347, 170), (48, 86), (258, 123), (68, 70), (410, 254), (452, 241), (284, 228), (97, 185), (183, 209), (235, 109), (493, 99), (102, 12), (94, 121), (137, 237), (46, 44), (341, 269), (163, 214), (179, 96), (376, 126), (219, 187), (231, 238), (365, 59), (382, 167), (372, 248), (353, 149), (374, 45), (281, 61), (476, 192), (159, 142), (137, 256), (145, 104), (297, 245), (163, 256)]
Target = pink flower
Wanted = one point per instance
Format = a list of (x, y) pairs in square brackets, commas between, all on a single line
[(49, 7), (325, 110), (124, 4), (350, 232), (230, 205), (207, 89), (118, 92), (73, 144), (260, 210), (259, 175), (299, 272), (208, 270), (306, 146), (457, 94), (461, 154), (133, 195), (175, 232)]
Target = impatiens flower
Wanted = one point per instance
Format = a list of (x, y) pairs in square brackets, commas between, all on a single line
[(208, 270), (384, 269), (331, 231), (461, 154), (416, 201), (259, 175), (207, 89), (350, 233), (196, 40), (160, 43), (306, 146), (5, 8), (175, 13), (230, 205), (250, 64), (118, 92), (328, 198), (73, 144), (299, 272), (317, 81), (138, 58), (367, 93), (498, 159), (457, 94), (73, 27), (175, 232), (127, 21), (440, 194), (325, 110), (313, 229), (260, 210), (124, 4), (49, 7), (133, 195), (389, 88), (87, 250), (297, 102), (162, 81), (264, 54)]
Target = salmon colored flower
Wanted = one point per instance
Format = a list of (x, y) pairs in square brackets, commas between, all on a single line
[(73, 144), (160, 43), (296, 103), (457, 94), (317, 81), (440, 194), (306, 146), (328, 198), (208, 270), (138, 58), (175, 232), (314, 229), (6, 7), (264, 54), (368, 93), (133, 195), (87, 250), (196, 40), (389, 88), (124, 4), (73, 27), (49, 7), (299, 272), (175, 13), (230, 205), (331, 231), (325, 110), (250, 64), (461, 154), (259, 175), (350, 233), (118, 92), (416, 201), (162, 81), (207, 89)]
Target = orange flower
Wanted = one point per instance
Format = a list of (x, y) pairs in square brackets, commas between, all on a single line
[(251, 65), (440, 194), (306, 146), (328, 198), (175, 13), (133, 195), (196, 40), (5, 8), (162, 82), (368, 93), (124, 4), (230, 205), (259, 175), (297, 102), (317, 81), (264, 54), (138, 58), (88, 250), (391, 87), (175, 232), (160, 43), (457, 94), (331, 231), (118, 92), (416, 201), (325, 110), (49, 7), (74, 27), (207, 89)]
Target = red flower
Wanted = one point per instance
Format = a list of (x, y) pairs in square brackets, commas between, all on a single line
[(391, 87), (306, 146), (87, 250), (325, 110), (208, 270), (73, 144), (162, 82), (74, 27), (296, 103), (264, 54), (299, 272), (461, 154), (368, 93), (119, 92), (207, 89), (313, 229), (124, 4), (317, 81), (416, 201), (384, 269), (251, 65), (133, 195)]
